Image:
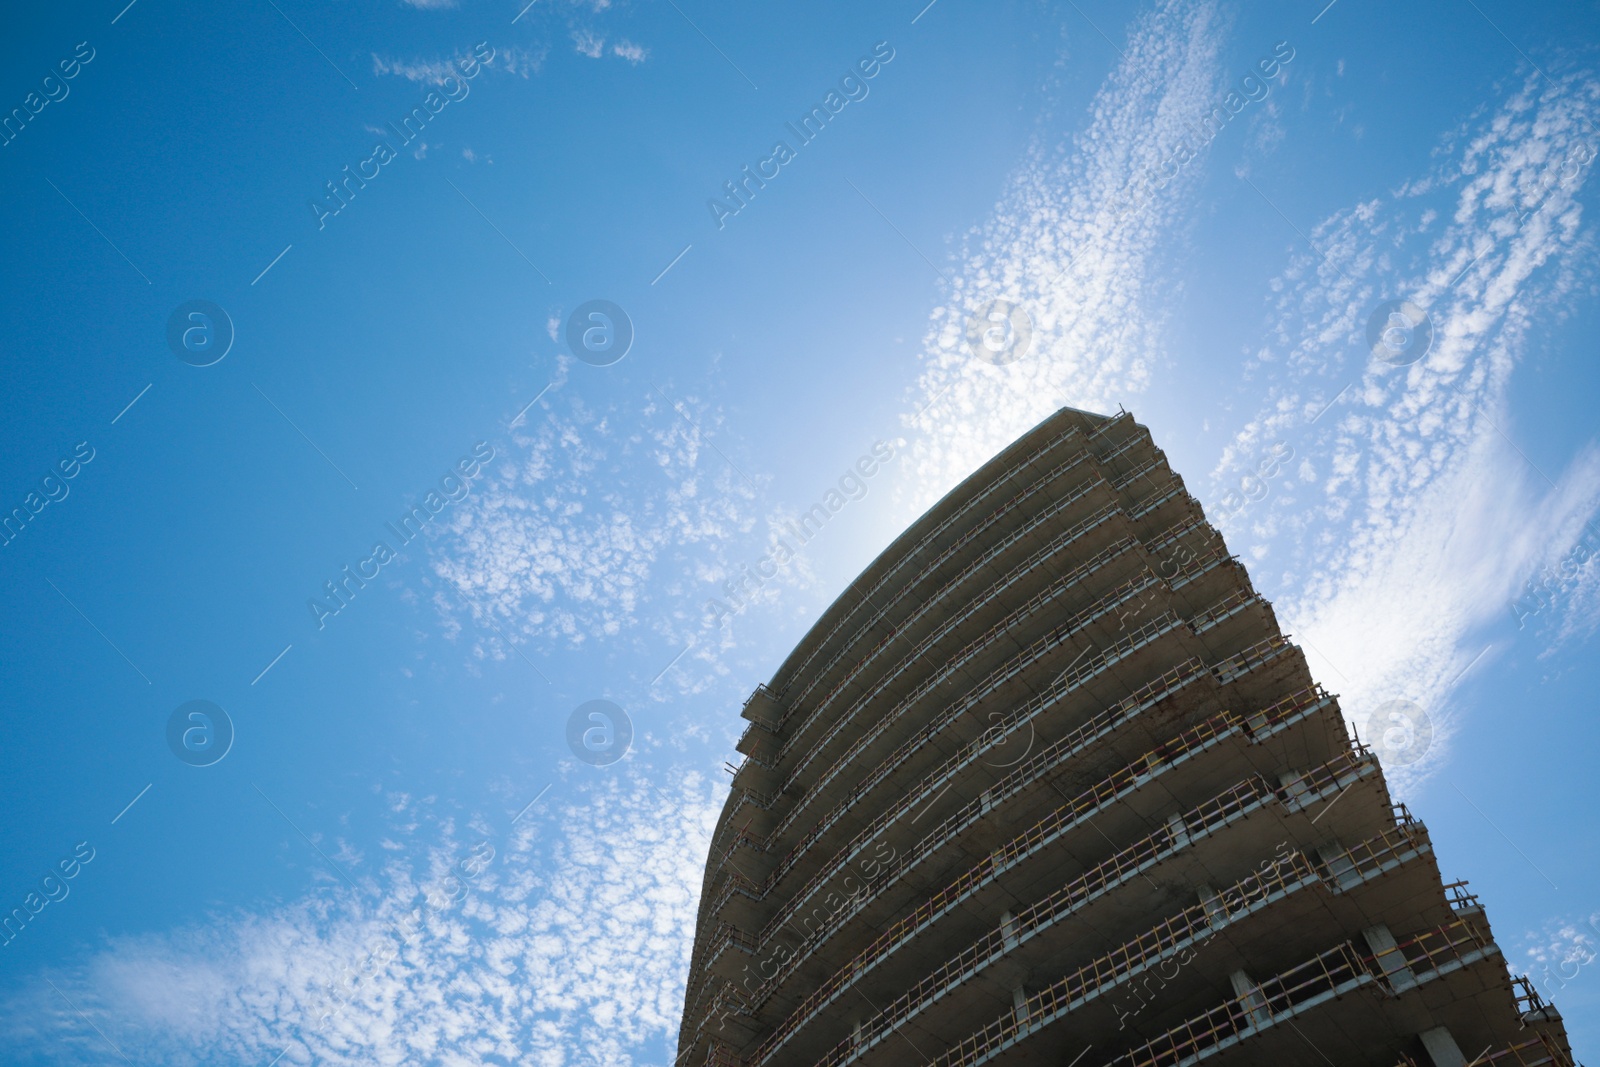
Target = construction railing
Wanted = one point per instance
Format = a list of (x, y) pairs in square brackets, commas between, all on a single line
[(1159, 463), (1180, 529), (1198, 823), (812, 719), (1288, 873), (1539, 1051), (1073, 743), (1114, 653), (1161, 498), (1460, 899), (722, 1056), (1336, 971), (1527, 996), (1089, 885), (1235, 666), (1038, 485), (935, 600), (1128, 442), (1164, 623), (976, 645), (1226, 671), (956, 661), (1049, 592), (935, 603), (961, 514), (1207, 733)]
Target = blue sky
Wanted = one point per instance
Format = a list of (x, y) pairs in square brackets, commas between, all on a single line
[(399, 801)]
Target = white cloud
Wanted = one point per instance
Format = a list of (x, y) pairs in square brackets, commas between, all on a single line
[(580, 529), (588, 44), (1067, 245), (631, 52), (555, 558), (520, 61), (427, 71), (628, 524), (514, 60), (1560, 952), (570, 945), (1409, 521), (1405, 523)]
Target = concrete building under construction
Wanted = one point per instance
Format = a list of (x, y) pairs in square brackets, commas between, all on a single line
[(1047, 785)]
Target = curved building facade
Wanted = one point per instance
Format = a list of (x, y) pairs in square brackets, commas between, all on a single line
[(1048, 785)]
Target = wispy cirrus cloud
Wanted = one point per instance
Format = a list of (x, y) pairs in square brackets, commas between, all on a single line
[(515, 60), (551, 556), (633, 53), (1076, 244), (591, 44), (569, 945), (596, 523), (1408, 519)]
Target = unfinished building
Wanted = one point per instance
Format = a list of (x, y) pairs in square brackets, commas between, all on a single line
[(1048, 785)]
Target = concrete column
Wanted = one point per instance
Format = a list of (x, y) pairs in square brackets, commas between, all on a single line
[(1255, 722), (1251, 997), (1341, 868), (1442, 1048), (1008, 929), (1180, 833), (1393, 962), (1019, 1005), (1216, 913)]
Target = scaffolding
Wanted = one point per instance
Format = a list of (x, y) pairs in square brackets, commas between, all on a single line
[(1074, 626), (1335, 972), (1038, 485), (937, 600), (1119, 650), (1290, 709), (1336, 773), (1538, 1051), (886, 727), (1158, 945)]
